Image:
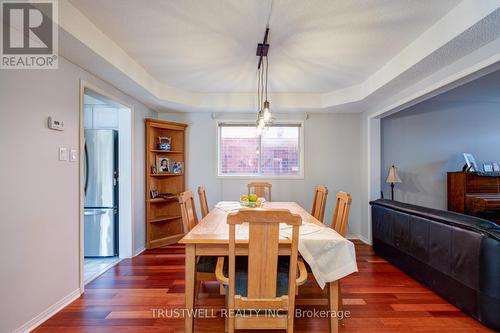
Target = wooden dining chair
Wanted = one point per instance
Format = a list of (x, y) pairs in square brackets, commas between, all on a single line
[(260, 189), (339, 224), (319, 202), (341, 214), (203, 201), (266, 283), (205, 265)]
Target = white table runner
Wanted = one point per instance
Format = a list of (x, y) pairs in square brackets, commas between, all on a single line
[(330, 256)]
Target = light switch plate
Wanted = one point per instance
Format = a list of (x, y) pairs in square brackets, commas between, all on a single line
[(63, 154), (73, 155)]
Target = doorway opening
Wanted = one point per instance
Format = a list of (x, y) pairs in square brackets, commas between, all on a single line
[(106, 178)]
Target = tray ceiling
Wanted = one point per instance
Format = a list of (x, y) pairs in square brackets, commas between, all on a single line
[(317, 46)]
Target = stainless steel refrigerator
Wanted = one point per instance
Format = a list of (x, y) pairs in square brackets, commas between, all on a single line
[(101, 193)]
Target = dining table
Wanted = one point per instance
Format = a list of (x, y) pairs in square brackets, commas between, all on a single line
[(210, 237)]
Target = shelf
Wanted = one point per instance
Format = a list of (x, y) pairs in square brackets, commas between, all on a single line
[(164, 219), (165, 241), (167, 151), (162, 200), (163, 214)]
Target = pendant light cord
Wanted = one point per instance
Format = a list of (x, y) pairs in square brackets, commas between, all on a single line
[(267, 70), (262, 87), (258, 89)]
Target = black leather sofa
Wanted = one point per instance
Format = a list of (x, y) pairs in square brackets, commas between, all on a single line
[(455, 255)]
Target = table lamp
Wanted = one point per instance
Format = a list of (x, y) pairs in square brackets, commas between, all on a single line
[(393, 178)]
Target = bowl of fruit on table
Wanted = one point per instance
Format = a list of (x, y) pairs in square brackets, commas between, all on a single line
[(251, 201)]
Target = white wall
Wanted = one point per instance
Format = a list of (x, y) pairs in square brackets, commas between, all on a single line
[(39, 196), (332, 158), (427, 140)]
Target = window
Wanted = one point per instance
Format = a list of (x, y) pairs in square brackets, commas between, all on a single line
[(275, 153)]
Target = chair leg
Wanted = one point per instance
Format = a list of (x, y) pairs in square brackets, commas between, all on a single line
[(197, 286), (333, 306), (289, 327), (341, 305), (230, 323)]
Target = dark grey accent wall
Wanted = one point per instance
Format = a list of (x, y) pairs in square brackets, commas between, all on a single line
[(428, 139)]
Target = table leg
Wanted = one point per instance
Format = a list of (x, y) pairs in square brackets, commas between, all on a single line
[(190, 280), (333, 305)]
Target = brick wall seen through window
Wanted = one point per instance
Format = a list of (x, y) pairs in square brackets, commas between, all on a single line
[(243, 152)]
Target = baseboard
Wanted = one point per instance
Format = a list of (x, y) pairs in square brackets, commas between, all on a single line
[(364, 240), (139, 251), (49, 312), (359, 237)]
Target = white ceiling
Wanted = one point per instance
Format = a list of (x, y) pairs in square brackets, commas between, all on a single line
[(317, 46)]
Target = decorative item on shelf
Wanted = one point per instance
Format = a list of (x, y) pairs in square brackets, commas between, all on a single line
[(163, 164), (496, 167), (167, 196), (470, 163), (153, 170), (154, 194), (178, 167), (393, 178), (164, 143), (487, 167)]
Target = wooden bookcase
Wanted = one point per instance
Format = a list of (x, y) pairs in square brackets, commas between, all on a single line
[(163, 216)]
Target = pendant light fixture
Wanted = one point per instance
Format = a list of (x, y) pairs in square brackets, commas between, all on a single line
[(264, 115)]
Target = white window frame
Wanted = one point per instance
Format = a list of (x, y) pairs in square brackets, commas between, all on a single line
[(299, 123)]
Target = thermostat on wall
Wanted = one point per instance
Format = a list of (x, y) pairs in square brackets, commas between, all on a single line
[(54, 124)]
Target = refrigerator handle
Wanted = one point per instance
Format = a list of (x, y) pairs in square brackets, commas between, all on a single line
[(86, 169), (94, 213)]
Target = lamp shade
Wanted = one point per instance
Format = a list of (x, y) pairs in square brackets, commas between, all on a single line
[(393, 177)]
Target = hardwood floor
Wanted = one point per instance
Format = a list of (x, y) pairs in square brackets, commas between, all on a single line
[(380, 298)]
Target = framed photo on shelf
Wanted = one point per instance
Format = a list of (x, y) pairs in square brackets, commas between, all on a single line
[(471, 162), (487, 167), (163, 164), (178, 167)]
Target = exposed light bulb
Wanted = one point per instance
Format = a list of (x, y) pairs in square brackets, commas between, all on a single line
[(266, 112), (259, 129), (267, 115), (262, 122)]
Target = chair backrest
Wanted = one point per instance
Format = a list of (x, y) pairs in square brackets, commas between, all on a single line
[(203, 201), (263, 226), (341, 213), (319, 203), (188, 211), (260, 189)]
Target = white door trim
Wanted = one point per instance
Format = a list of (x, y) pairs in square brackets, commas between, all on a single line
[(125, 228)]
